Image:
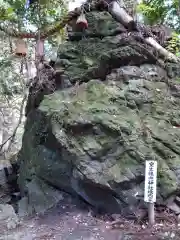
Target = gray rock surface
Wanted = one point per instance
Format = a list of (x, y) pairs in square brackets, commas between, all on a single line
[(92, 139), (41, 197), (5, 166), (5, 169), (8, 218)]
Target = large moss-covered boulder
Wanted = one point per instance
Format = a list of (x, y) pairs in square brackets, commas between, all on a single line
[(92, 139)]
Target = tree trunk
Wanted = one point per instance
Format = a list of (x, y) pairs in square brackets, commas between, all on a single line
[(162, 51), (116, 9)]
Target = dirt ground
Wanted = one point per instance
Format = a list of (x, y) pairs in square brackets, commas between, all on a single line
[(69, 221)]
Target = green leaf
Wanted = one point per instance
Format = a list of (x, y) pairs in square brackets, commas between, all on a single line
[(10, 10)]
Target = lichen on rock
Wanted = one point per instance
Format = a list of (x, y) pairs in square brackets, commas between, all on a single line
[(93, 138)]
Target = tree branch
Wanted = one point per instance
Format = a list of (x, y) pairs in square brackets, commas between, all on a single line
[(57, 26), (44, 34), (13, 33), (11, 138)]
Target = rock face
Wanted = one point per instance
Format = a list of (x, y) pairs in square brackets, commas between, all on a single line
[(9, 121), (93, 138), (5, 170), (8, 218)]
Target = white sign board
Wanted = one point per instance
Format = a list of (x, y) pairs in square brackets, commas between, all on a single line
[(150, 181)]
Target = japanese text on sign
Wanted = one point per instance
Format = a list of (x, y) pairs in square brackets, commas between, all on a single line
[(150, 181)]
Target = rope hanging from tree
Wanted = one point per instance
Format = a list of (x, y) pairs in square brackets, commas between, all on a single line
[(115, 9), (44, 34)]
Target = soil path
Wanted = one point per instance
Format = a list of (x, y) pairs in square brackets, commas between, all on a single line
[(67, 221)]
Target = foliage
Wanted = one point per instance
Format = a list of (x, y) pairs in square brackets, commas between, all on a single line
[(174, 44), (152, 12), (13, 91), (14, 14), (49, 12), (161, 11), (37, 17)]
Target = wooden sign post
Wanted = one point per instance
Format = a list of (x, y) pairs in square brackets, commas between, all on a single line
[(150, 188)]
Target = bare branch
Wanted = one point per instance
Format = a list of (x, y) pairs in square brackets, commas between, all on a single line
[(12, 137), (44, 34)]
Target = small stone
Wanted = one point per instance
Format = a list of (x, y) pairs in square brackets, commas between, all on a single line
[(172, 235), (11, 225), (174, 207), (177, 200), (108, 227), (158, 90), (143, 226), (178, 219)]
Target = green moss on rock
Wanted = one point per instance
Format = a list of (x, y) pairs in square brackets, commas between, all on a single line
[(96, 136)]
